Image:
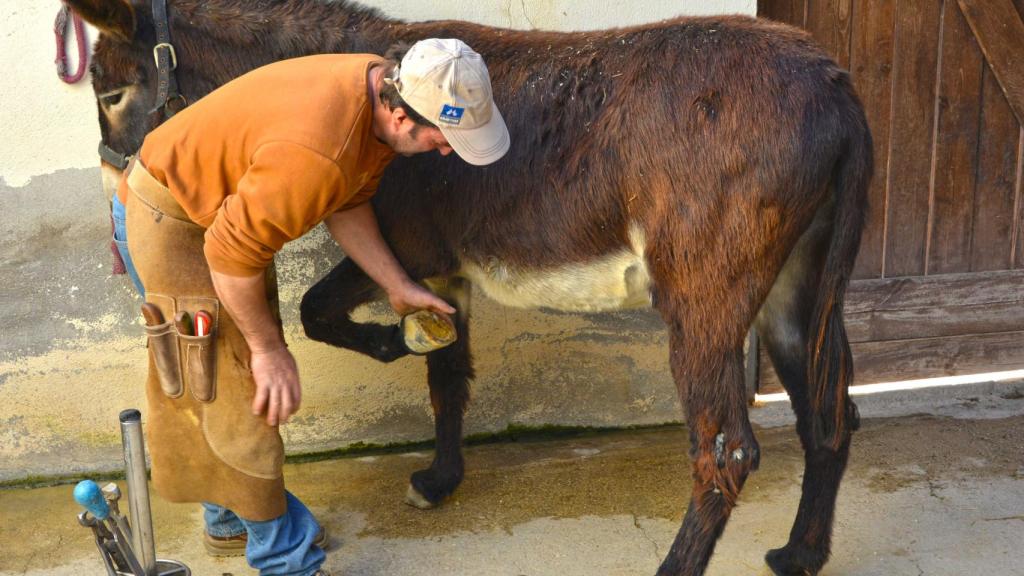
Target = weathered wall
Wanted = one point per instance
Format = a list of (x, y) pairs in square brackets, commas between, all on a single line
[(71, 350)]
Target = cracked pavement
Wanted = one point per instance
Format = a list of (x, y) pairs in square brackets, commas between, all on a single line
[(923, 495)]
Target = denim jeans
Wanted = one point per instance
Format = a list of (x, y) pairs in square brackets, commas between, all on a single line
[(282, 546), (121, 241)]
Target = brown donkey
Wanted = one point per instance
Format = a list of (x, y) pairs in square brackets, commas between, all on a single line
[(713, 168)]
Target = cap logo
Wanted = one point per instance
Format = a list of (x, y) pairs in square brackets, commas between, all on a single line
[(451, 115)]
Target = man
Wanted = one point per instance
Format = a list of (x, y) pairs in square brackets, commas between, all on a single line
[(214, 193)]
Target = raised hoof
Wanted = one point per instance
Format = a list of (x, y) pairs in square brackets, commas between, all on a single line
[(417, 500), (425, 331), (782, 561)]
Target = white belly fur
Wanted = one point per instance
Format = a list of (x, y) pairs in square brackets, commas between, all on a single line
[(615, 281)]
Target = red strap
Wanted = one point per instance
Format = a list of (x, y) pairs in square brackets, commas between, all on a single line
[(60, 27)]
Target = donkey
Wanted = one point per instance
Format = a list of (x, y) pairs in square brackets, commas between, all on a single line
[(713, 168)]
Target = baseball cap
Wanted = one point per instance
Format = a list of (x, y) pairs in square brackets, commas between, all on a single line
[(447, 83)]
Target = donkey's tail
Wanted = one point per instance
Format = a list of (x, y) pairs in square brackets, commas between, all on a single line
[(830, 366)]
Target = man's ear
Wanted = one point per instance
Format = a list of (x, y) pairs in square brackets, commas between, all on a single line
[(399, 115), (113, 17)]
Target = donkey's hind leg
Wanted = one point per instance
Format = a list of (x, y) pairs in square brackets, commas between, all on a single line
[(723, 450), (783, 325), (449, 371)]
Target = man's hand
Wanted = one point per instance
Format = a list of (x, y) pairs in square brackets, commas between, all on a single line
[(358, 234), (409, 297), (277, 385)]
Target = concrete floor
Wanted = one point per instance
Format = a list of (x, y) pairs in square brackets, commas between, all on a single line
[(930, 495)]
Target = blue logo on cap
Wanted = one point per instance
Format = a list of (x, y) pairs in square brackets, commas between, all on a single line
[(451, 114)]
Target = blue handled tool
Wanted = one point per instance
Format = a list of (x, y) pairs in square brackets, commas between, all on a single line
[(89, 496)]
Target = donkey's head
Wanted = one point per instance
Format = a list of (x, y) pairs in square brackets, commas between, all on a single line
[(123, 76)]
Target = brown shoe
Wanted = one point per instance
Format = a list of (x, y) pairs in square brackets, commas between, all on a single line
[(222, 546)]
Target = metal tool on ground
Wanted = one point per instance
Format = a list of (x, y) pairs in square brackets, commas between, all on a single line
[(126, 549)]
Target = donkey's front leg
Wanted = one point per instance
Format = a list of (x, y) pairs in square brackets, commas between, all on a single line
[(723, 450), (326, 308), (449, 371)]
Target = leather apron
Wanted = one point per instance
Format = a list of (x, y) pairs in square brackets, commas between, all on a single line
[(204, 442)]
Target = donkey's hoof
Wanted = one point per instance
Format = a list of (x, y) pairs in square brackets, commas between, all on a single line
[(787, 562), (425, 331), (417, 500)]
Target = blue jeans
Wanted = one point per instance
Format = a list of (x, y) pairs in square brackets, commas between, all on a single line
[(279, 547), (121, 241), (282, 546)]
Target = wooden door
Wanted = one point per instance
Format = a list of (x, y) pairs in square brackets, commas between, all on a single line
[(939, 283)]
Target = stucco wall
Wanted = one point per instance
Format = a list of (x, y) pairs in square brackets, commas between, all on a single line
[(72, 354)]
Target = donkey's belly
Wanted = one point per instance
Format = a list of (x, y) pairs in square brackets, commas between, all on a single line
[(616, 280)]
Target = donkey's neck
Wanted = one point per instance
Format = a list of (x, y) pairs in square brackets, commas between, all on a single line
[(288, 29), (231, 37)]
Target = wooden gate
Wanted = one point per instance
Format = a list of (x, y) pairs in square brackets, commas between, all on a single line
[(939, 284)]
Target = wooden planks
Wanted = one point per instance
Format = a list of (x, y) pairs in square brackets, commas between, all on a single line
[(929, 315), (896, 360), (933, 291), (940, 276), (915, 61), (1018, 230), (1000, 31), (871, 56), (997, 196), (788, 11), (831, 23), (946, 197), (955, 152)]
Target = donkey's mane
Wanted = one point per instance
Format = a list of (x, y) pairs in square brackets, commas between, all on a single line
[(291, 25)]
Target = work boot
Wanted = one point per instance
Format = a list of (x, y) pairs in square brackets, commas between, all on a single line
[(222, 546)]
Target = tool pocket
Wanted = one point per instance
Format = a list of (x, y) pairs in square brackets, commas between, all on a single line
[(200, 366), (198, 353), (163, 346)]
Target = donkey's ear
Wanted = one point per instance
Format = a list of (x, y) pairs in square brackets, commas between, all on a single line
[(114, 17)]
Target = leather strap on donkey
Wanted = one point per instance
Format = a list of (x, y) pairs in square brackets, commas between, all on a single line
[(168, 99)]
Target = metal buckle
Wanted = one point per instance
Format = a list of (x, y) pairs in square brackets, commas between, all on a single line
[(156, 56)]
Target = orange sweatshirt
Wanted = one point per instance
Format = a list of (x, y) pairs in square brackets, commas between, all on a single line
[(268, 156)]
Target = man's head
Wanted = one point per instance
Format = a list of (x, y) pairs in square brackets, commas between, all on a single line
[(439, 97)]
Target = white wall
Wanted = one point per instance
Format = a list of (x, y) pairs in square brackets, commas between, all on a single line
[(45, 124)]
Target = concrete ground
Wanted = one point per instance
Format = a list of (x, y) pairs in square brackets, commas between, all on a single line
[(937, 494)]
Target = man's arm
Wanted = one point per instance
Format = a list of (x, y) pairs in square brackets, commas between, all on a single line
[(357, 232), (273, 367)]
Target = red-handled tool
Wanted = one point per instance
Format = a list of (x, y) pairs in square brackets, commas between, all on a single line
[(203, 323)]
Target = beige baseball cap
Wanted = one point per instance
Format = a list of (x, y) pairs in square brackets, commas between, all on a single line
[(447, 83)]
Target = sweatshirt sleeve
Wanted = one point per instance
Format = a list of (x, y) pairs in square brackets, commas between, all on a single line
[(365, 193), (287, 190)]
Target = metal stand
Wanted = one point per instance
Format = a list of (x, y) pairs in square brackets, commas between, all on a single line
[(124, 551)]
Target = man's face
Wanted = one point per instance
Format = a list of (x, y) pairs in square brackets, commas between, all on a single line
[(407, 138)]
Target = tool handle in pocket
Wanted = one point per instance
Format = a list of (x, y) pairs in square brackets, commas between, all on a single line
[(200, 366), (163, 346)]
